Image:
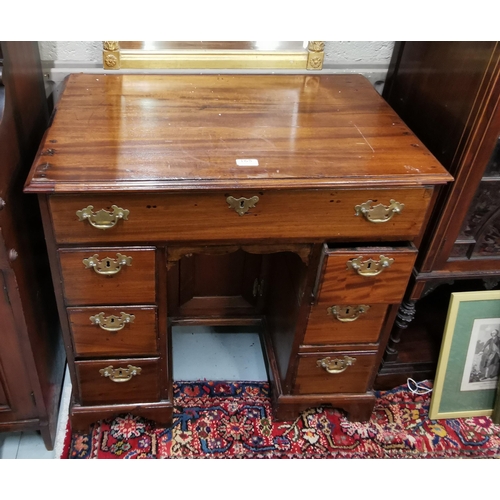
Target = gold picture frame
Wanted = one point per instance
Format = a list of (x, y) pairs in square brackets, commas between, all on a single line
[(213, 55), (467, 374)]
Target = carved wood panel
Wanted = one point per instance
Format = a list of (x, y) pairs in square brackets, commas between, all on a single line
[(480, 233)]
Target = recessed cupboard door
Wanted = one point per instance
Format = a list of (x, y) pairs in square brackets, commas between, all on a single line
[(216, 281)]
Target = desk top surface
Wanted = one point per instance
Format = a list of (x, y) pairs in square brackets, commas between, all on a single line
[(177, 132)]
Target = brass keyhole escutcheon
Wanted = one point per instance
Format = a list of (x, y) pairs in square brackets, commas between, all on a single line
[(242, 205)]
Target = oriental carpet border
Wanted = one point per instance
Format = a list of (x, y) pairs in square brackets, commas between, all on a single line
[(234, 420)]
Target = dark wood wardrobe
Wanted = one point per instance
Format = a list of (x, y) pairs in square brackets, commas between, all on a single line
[(32, 358)]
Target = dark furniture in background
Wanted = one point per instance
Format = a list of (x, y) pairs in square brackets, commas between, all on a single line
[(448, 94), (32, 356)]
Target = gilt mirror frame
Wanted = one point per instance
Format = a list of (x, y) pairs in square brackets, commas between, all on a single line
[(159, 55)]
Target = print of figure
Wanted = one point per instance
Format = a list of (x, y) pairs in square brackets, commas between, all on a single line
[(490, 357)]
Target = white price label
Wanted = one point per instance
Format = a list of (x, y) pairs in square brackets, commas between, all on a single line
[(247, 162)]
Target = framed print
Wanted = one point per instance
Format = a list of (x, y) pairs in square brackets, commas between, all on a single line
[(469, 362)]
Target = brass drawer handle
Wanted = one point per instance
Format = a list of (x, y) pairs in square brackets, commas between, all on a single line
[(112, 323), (379, 213), (102, 219), (242, 205), (347, 314), (334, 366), (120, 374), (369, 267), (107, 266)]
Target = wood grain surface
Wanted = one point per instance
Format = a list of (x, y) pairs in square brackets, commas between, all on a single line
[(137, 338), (158, 132), (312, 379), (133, 284), (325, 329), (345, 286), (304, 214), (141, 388)]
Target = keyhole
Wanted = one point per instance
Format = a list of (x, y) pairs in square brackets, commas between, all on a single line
[(108, 263), (369, 265), (347, 310), (242, 204), (112, 320)]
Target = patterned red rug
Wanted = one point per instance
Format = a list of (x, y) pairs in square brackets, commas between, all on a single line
[(233, 420)]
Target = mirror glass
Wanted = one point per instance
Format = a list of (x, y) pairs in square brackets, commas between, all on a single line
[(278, 46)]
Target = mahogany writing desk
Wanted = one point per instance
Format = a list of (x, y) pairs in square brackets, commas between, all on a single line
[(294, 203)]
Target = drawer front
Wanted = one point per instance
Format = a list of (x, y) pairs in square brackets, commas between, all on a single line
[(113, 331), (101, 382), (351, 324), (133, 283), (343, 284), (329, 214), (314, 379)]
